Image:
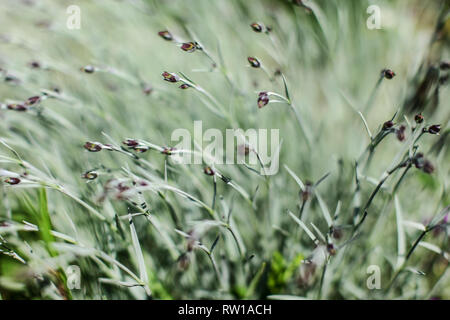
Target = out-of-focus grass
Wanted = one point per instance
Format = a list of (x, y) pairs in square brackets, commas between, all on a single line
[(332, 63)]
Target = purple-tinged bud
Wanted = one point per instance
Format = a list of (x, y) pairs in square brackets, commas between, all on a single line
[(428, 167), (208, 171), (184, 86), (17, 107), (88, 69), (434, 129), (171, 77), (130, 142), (166, 35), (388, 125), (89, 175), (257, 27), (140, 149), (263, 99), (254, 62), (93, 146), (33, 100), (167, 151), (401, 133), (34, 65), (418, 118), (445, 65), (331, 249), (190, 46), (12, 180), (388, 73)]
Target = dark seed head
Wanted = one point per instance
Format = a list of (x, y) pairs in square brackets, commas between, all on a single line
[(428, 167), (184, 86), (419, 160), (17, 107), (418, 118), (166, 35), (257, 27), (148, 89), (387, 125), (89, 175), (171, 77), (34, 65), (254, 62), (33, 100), (88, 69), (263, 99), (12, 180), (434, 129), (130, 142), (445, 65), (140, 149), (388, 73), (331, 249), (208, 171), (168, 151), (190, 46), (92, 146), (401, 133)]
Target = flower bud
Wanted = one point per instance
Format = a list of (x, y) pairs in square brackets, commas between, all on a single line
[(387, 125), (418, 118), (184, 86), (263, 99), (34, 65), (434, 129), (401, 133), (92, 146), (257, 27), (130, 142), (388, 73), (254, 62), (190, 46), (89, 175), (167, 151), (140, 149), (166, 35), (170, 77), (208, 171), (428, 167), (17, 107), (88, 69), (12, 180), (33, 100)]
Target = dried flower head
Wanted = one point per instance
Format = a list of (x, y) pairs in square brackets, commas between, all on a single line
[(170, 77), (93, 146), (263, 99), (208, 171), (418, 118), (130, 142), (88, 69), (190, 46), (434, 129), (89, 175), (254, 62), (401, 133), (388, 73), (166, 35), (12, 180), (257, 27), (184, 86), (388, 125)]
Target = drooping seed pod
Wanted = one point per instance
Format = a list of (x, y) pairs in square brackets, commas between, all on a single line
[(388, 125), (434, 129), (263, 99), (208, 171), (254, 62), (170, 77), (257, 27), (12, 180), (166, 35), (88, 69), (388, 73), (141, 149), (130, 142), (401, 133), (17, 107), (33, 100), (428, 167), (184, 86), (93, 146), (89, 175), (190, 46), (418, 118)]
